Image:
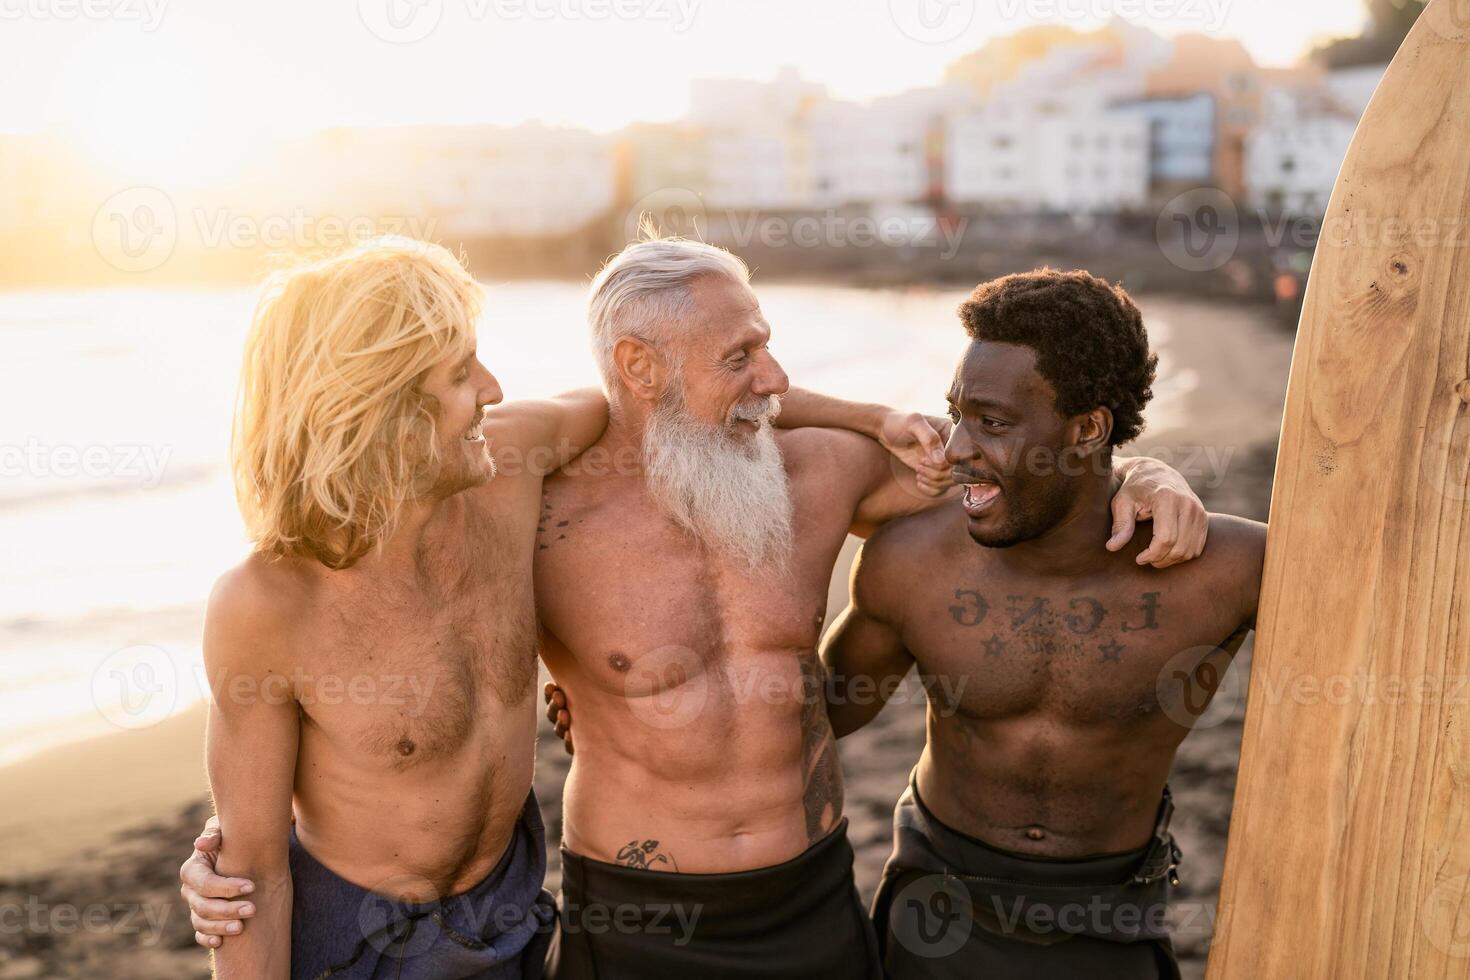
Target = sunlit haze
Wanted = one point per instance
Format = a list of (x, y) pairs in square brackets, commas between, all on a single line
[(149, 85)]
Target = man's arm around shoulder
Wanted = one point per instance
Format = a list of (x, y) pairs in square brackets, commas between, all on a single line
[(250, 748), (864, 652)]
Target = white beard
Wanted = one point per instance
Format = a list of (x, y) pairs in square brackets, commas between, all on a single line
[(732, 495)]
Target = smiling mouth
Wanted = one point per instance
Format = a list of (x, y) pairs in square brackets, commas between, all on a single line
[(979, 497)]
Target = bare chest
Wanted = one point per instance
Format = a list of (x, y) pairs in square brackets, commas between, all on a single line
[(641, 604), (410, 675), (1081, 658)]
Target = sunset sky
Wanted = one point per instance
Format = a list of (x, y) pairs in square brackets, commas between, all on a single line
[(149, 83)]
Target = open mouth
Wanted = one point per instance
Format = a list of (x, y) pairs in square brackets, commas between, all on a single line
[(980, 497), (476, 432)]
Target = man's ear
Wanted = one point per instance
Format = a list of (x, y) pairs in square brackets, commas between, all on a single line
[(1092, 431), (643, 370)]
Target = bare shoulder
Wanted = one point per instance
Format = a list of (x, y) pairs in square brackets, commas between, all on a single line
[(252, 606), (906, 549), (820, 453)]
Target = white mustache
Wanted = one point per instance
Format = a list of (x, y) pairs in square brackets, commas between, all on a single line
[(765, 410)]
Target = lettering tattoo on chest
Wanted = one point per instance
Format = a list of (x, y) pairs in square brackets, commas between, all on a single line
[(645, 855), (1041, 626)]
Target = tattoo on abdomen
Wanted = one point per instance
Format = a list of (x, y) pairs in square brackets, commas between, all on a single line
[(644, 855), (822, 795)]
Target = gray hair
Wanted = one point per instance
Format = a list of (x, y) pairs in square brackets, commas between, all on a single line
[(645, 291)]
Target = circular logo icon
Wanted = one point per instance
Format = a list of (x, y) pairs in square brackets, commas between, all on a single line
[(932, 916), (1199, 230), (1197, 689), (667, 212), (387, 928), (667, 688), (136, 687), (136, 230), (932, 21), (400, 21), (1447, 917)]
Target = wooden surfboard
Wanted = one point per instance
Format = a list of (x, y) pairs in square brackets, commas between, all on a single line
[(1349, 849)]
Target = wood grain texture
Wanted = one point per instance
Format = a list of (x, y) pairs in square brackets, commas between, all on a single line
[(1349, 850)]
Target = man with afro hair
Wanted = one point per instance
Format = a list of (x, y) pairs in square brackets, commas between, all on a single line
[(1033, 840)]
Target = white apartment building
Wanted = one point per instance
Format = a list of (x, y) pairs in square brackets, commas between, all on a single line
[(883, 152), (1047, 155), (1293, 157)]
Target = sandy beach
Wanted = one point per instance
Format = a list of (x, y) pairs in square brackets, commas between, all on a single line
[(92, 833)]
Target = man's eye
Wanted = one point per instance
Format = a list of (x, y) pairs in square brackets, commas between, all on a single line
[(990, 423), (954, 414)]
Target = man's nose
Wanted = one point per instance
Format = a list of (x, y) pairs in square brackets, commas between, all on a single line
[(489, 393), (770, 379), (959, 448)]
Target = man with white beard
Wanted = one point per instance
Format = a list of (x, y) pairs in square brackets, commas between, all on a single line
[(681, 598)]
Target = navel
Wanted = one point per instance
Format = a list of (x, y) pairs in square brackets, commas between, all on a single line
[(619, 662), (1035, 833)]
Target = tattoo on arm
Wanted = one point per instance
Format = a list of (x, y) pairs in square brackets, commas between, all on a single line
[(644, 855), (822, 793)]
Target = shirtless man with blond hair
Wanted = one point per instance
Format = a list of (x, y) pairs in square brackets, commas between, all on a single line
[(680, 599)]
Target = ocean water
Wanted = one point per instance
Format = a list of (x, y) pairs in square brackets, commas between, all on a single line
[(116, 511)]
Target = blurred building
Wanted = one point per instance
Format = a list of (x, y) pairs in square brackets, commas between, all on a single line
[(1181, 135), (1294, 155), (884, 152), (470, 181), (1048, 155)]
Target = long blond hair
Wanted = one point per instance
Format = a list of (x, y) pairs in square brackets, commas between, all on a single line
[(332, 430)]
